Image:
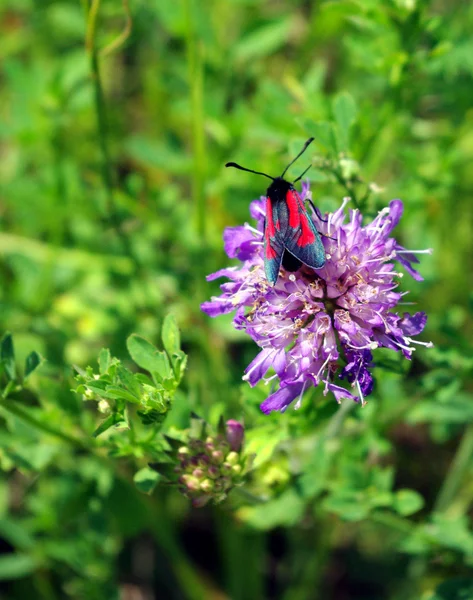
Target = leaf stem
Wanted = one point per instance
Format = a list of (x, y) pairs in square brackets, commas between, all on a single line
[(458, 468)]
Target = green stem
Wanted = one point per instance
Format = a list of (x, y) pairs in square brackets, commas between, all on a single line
[(100, 108), (457, 471), (16, 410), (195, 63), (336, 422), (241, 553), (192, 584), (102, 121), (392, 521)]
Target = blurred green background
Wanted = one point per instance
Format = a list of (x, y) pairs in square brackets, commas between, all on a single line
[(115, 122)]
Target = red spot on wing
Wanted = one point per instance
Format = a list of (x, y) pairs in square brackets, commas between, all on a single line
[(270, 230), (306, 236), (270, 251), (292, 200)]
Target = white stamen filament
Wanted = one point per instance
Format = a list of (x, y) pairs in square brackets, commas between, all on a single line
[(299, 401), (426, 344), (360, 393), (252, 229), (426, 251), (369, 346)]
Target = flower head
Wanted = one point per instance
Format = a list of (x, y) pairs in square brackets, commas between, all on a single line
[(206, 466), (320, 326)]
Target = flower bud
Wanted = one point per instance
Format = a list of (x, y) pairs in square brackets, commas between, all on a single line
[(235, 433), (217, 456), (232, 458), (191, 483), (236, 469), (104, 406), (207, 485), (213, 472)]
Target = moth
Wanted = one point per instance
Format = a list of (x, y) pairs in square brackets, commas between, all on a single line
[(290, 236)]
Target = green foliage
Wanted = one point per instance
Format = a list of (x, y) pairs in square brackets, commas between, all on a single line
[(153, 396), (115, 129)]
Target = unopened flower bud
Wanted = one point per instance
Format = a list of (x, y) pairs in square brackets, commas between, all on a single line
[(232, 458), (198, 473), (213, 472), (104, 406), (235, 434), (190, 482), (217, 456), (207, 485), (236, 469)]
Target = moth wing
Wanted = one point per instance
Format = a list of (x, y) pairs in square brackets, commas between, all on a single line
[(273, 245), (302, 239)]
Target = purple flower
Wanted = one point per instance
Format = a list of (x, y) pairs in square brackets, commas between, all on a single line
[(319, 326)]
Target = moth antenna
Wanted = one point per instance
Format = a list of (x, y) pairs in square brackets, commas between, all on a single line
[(309, 141), (301, 176), (235, 166)]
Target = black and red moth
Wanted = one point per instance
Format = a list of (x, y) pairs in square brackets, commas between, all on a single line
[(290, 236)]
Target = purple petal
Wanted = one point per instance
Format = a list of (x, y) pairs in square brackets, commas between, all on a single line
[(406, 260), (339, 392), (396, 208), (305, 192), (228, 272), (258, 212), (357, 369), (217, 307), (256, 370), (239, 242), (281, 399), (413, 324)]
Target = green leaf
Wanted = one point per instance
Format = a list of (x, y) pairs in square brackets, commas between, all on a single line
[(459, 588), (16, 566), (179, 363), (170, 335), (164, 469), (344, 111), (117, 393), (407, 502), (263, 41), (262, 442), (32, 362), (347, 506), (148, 357), (314, 478), (451, 532), (104, 360), (16, 534), (7, 355), (456, 410), (146, 480), (111, 421), (127, 379), (286, 510)]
